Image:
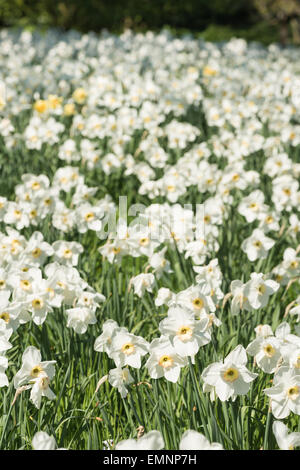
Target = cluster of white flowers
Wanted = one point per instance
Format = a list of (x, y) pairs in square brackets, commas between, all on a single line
[(36, 199), (30, 289), (182, 121), (153, 440)]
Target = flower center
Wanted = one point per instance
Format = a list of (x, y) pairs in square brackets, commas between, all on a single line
[(89, 216), (262, 289), (36, 252), (144, 241), (35, 372), (198, 303), (293, 392), (51, 292), (67, 253), (37, 303), (165, 361), (185, 333), (269, 350), (2, 283), (25, 284), (294, 264), (35, 185), (128, 348), (5, 316), (231, 374)]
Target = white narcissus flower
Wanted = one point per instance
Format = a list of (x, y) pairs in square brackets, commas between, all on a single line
[(252, 206), (211, 275), (3, 366), (257, 245), (285, 440), (38, 304), (63, 218), (291, 355), (283, 333), (41, 389), (33, 367), (37, 250), (36, 374), (231, 377), (42, 441), (142, 282), (294, 228), (159, 263), (67, 252), (263, 331), (12, 314), (267, 352), (258, 290), (16, 214), (139, 242), (88, 218), (164, 296), (103, 342), (197, 299), (269, 222), (285, 393), (239, 299), (164, 360), (153, 440), (5, 334), (79, 318), (119, 378), (82, 194), (291, 262), (89, 299), (295, 310), (185, 332), (68, 151), (197, 250), (65, 281), (127, 349), (193, 440), (211, 390)]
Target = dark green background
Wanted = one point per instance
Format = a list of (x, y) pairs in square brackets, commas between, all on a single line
[(212, 19)]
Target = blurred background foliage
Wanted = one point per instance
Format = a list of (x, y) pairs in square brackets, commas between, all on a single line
[(214, 20)]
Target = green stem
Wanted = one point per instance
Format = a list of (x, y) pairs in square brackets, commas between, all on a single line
[(267, 429)]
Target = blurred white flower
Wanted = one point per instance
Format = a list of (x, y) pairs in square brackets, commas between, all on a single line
[(193, 440), (153, 440)]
